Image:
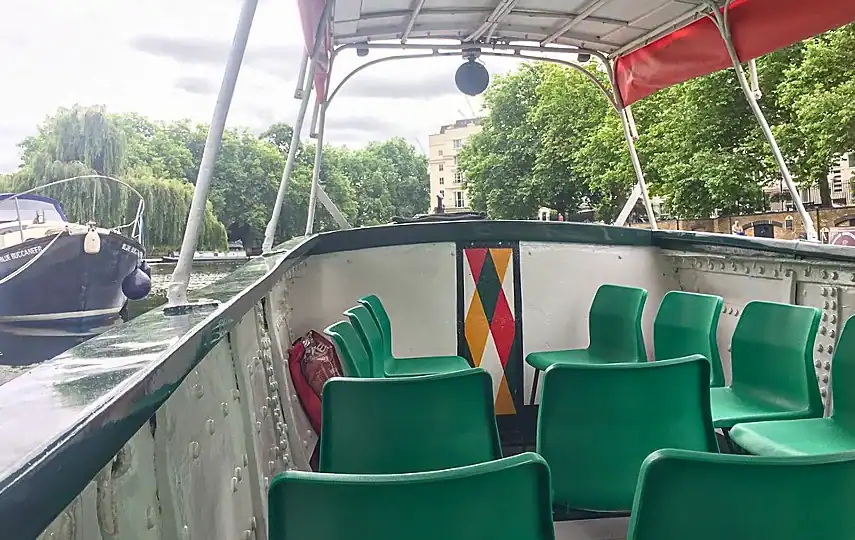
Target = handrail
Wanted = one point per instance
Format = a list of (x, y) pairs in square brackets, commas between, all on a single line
[(136, 231)]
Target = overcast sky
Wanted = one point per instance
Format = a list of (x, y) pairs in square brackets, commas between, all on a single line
[(165, 58)]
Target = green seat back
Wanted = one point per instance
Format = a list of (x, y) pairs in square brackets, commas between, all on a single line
[(408, 424), (375, 306), (843, 374), (355, 360), (695, 496), (614, 324), (366, 326), (686, 324), (772, 355), (597, 423), (506, 499)]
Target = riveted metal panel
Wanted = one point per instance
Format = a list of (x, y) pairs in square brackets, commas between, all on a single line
[(201, 454)]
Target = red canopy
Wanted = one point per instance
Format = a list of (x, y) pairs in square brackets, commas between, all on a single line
[(758, 27)]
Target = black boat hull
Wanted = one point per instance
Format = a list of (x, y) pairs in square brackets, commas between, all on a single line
[(64, 297)]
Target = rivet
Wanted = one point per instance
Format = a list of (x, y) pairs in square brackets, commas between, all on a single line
[(274, 385), (210, 424), (185, 532), (834, 291), (252, 524), (194, 449), (762, 270), (820, 348), (245, 460), (308, 433), (271, 466), (285, 460), (825, 274), (827, 366), (722, 265), (830, 349), (267, 400), (818, 363), (825, 378), (234, 484), (832, 333), (747, 270), (266, 482), (736, 311), (823, 392), (807, 272), (225, 407), (833, 304), (198, 391), (834, 276), (834, 319), (258, 427), (238, 473), (236, 394), (826, 304), (265, 410), (823, 330), (283, 443), (824, 292), (825, 317), (852, 279), (789, 272), (277, 412)]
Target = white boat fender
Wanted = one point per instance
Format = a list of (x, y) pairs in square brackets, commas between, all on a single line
[(92, 241)]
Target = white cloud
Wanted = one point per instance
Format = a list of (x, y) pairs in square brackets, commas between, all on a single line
[(164, 59)]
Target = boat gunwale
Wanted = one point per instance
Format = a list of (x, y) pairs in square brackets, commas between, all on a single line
[(100, 428)]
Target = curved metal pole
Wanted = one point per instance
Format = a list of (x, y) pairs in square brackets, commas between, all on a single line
[(721, 22), (640, 188), (177, 293), (316, 172), (567, 63)]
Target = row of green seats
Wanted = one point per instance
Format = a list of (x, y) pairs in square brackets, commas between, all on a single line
[(771, 350), (369, 324), (685, 324), (420, 458), (811, 436)]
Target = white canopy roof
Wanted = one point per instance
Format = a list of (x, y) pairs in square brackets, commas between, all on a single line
[(609, 26)]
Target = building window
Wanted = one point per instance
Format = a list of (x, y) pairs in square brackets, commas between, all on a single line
[(439, 153), (441, 167), (458, 199), (788, 223), (458, 177), (442, 193), (455, 161), (458, 143), (442, 180)]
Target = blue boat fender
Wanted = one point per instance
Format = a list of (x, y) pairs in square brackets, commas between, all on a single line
[(136, 285)]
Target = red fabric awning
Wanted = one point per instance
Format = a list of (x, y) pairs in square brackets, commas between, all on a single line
[(758, 27), (311, 12)]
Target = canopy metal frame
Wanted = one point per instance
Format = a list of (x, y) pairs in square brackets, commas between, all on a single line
[(493, 37)]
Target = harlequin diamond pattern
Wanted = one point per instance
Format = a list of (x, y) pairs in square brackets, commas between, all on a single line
[(490, 326)]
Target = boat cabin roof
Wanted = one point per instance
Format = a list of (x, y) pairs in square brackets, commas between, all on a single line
[(655, 43), (29, 205)]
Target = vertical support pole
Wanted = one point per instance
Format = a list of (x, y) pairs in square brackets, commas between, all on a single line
[(181, 276), (316, 173), (301, 75), (721, 22), (291, 162), (639, 175)]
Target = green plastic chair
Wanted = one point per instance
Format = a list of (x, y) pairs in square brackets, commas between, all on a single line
[(597, 424), (696, 496), (411, 424), (355, 361), (813, 435), (687, 323), (614, 330), (772, 367), (405, 367), (506, 499)]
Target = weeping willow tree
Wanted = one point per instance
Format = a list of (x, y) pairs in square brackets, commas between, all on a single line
[(82, 141)]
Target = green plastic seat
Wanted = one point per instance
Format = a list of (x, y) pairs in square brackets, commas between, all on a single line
[(772, 367), (813, 435), (507, 499), (597, 424), (614, 333), (696, 496), (355, 361), (687, 323), (410, 424), (404, 367)]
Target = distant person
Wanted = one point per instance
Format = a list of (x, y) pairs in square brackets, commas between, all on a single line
[(736, 229)]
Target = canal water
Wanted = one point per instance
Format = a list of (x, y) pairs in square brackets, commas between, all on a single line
[(203, 275)]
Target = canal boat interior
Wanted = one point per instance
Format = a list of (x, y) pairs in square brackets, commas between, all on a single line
[(499, 379)]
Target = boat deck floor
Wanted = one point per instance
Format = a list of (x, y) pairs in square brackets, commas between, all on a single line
[(592, 529)]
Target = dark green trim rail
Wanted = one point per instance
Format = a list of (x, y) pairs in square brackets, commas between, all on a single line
[(61, 422)]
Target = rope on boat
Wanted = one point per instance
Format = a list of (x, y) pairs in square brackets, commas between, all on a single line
[(31, 261)]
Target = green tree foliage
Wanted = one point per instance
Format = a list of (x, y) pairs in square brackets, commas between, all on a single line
[(551, 139), (161, 161)]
